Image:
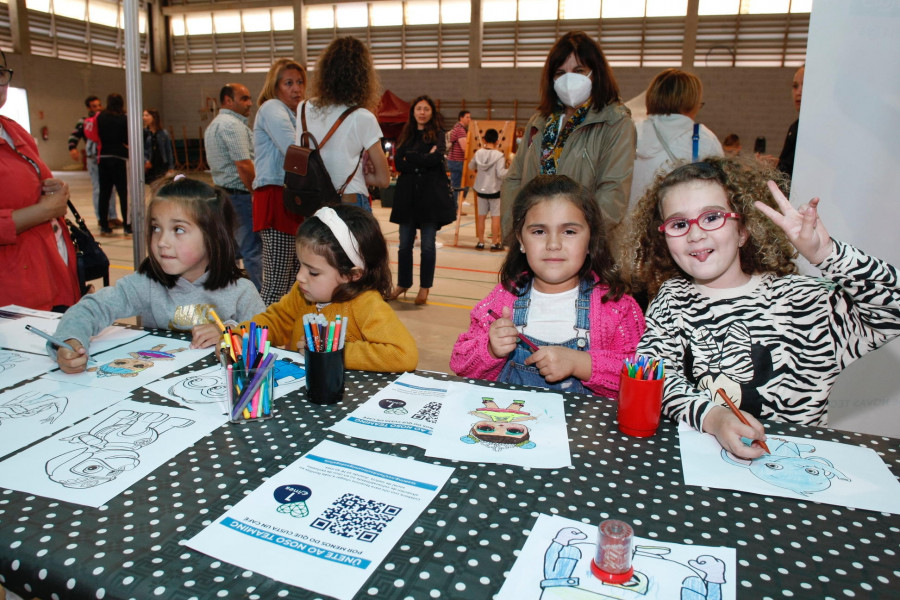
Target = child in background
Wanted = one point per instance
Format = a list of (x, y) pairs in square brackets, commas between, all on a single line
[(491, 166), (344, 271), (730, 310), (190, 268), (558, 278)]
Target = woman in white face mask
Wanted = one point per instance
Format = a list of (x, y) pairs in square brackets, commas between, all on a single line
[(581, 129)]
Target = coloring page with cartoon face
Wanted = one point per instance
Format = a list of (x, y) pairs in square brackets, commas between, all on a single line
[(494, 425), (17, 366), (135, 364), (203, 390), (98, 458), (800, 468)]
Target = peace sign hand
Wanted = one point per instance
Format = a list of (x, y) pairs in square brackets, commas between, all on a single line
[(802, 226)]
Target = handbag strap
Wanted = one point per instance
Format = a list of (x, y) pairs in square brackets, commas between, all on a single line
[(78, 218), (331, 131), (328, 135)]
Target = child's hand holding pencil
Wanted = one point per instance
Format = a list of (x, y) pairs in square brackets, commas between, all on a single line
[(503, 335), (731, 426)]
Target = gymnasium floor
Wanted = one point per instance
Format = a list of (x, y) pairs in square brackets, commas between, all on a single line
[(463, 277)]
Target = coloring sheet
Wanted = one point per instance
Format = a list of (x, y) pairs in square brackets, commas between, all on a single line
[(404, 412), (95, 460), (493, 425), (41, 408), (14, 336), (202, 390), (16, 366), (327, 520), (14, 311), (290, 372), (135, 364), (555, 564), (113, 337), (800, 468)]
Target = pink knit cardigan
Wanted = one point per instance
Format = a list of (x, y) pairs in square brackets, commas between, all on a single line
[(616, 328)]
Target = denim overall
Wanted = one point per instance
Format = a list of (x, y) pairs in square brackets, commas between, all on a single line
[(516, 371)]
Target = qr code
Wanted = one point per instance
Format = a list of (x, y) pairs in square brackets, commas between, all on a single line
[(351, 516), (429, 412)]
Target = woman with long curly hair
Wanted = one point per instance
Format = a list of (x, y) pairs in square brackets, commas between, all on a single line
[(345, 82), (423, 199), (714, 243)]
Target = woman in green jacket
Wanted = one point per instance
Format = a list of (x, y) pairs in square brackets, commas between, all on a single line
[(581, 129)]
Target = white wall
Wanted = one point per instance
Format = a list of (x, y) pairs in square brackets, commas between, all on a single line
[(848, 154)]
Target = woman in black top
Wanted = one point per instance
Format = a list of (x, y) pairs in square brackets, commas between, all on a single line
[(112, 126), (423, 199), (158, 157)]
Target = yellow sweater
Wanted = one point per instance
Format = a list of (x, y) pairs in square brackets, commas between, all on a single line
[(376, 340)]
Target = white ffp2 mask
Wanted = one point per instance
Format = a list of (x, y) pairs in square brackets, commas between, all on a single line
[(573, 89)]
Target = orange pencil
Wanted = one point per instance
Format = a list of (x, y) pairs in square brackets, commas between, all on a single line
[(740, 416)]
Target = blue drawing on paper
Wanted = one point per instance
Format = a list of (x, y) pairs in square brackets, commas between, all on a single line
[(655, 575), (787, 467)]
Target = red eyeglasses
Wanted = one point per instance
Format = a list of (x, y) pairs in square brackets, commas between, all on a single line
[(707, 221)]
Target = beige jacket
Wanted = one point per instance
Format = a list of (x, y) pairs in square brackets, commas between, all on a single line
[(599, 155)]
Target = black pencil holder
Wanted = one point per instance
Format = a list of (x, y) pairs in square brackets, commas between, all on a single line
[(324, 376)]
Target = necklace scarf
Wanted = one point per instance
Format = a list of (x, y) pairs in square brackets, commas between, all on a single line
[(554, 140)]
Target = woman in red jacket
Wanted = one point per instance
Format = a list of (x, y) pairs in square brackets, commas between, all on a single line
[(39, 266)]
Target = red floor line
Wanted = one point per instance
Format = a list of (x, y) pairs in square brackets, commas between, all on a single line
[(394, 262)]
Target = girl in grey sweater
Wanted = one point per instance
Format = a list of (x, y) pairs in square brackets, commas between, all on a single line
[(190, 271)]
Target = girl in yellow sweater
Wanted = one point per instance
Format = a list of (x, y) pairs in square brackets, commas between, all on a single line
[(344, 271)]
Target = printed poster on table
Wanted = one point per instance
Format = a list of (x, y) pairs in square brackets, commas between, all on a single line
[(135, 364), (41, 408), (493, 425), (403, 412), (326, 521), (799, 468), (93, 461), (555, 564)]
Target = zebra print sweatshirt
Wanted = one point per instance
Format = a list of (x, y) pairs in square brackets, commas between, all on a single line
[(776, 349)]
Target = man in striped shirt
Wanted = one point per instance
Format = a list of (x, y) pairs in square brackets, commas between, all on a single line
[(229, 152)]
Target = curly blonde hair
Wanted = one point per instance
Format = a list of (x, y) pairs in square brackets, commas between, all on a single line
[(767, 249), (346, 75)]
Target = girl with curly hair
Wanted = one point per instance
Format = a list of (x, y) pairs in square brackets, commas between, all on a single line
[(558, 278), (345, 82), (713, 242)]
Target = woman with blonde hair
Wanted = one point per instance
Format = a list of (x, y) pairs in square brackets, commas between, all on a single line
[(669, 135), (346, 83), (284, 88)]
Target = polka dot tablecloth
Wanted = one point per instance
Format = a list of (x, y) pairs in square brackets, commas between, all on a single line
[(466, 541)]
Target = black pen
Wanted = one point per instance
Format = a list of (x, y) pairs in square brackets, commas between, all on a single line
[(53, 340)]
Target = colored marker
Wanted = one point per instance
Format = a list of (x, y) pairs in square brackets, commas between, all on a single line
[(521, 336), (54, 340), (740, 416)]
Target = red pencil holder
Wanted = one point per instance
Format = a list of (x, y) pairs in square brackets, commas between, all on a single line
[(640, 405)]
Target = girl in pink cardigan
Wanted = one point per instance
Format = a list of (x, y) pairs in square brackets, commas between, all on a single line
[(559, 293)]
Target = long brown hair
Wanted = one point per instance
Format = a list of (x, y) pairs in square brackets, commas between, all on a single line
[(211, 209), (767, 249), (588, 52), (376, 275), (516, 272), (346, 75), (434, 128)]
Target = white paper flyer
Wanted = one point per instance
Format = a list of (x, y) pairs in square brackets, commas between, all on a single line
[(404, 412), (326, 521)]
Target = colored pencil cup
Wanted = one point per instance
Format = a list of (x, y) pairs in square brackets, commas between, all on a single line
[(640, 405), (324, 376), (251, 395)]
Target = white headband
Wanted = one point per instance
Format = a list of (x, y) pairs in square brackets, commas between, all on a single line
[(342, 233)]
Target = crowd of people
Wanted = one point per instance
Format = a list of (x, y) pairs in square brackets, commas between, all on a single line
[(593, 211)]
